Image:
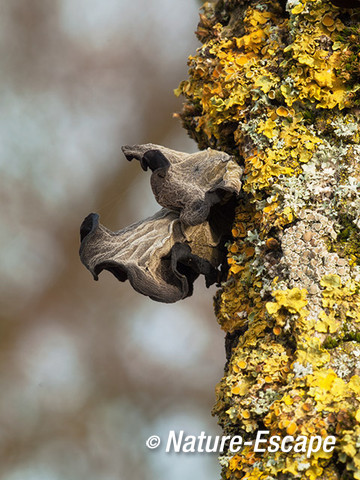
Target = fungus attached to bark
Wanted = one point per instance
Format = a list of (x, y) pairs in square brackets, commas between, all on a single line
[(190, 183), (159, 256), (163, 255)]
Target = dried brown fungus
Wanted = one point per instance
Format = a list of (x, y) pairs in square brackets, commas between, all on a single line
[(190, 183), (163, 255)]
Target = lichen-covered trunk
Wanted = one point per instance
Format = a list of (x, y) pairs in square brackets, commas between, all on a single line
[(279, 89)]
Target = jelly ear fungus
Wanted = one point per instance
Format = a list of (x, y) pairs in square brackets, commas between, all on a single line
[(163, 255)]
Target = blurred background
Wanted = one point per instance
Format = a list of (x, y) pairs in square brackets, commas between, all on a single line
[(90, 369)]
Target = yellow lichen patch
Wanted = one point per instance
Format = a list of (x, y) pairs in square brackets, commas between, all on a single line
[(325, 392), (236, 269), (240, 389), (310, 351), (248, 391), (341, 304), (292, 301), (327, 323)]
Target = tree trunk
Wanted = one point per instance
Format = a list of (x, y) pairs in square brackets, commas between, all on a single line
[(279, 89)]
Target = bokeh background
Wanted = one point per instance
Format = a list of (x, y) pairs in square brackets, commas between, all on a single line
[(90, 369)]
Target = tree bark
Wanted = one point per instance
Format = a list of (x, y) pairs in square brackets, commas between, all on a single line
[(278, 87)]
